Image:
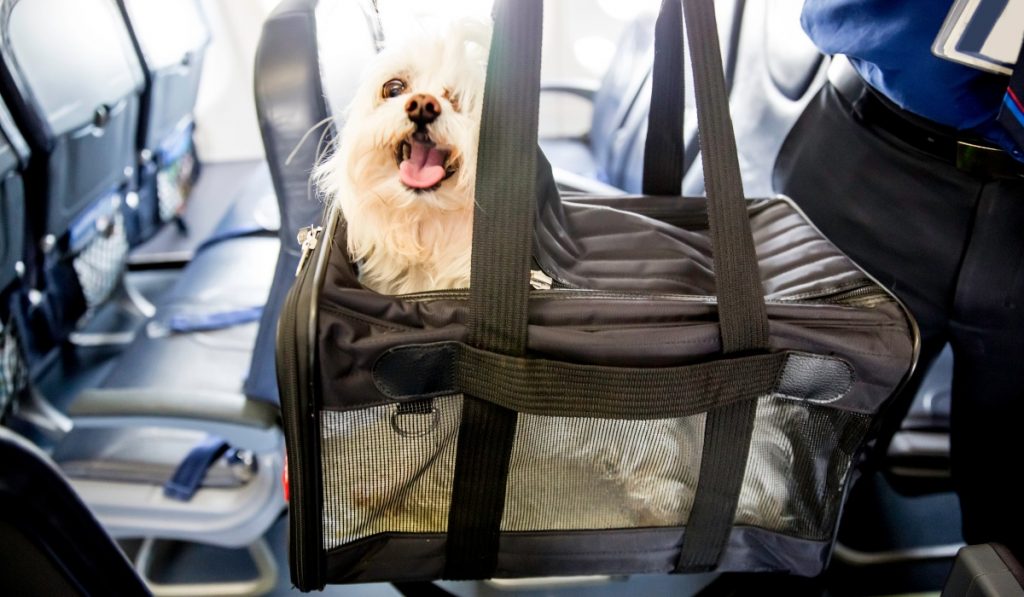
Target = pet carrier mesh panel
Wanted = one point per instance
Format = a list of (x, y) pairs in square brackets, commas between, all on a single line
[(389, 469), (691, 392)]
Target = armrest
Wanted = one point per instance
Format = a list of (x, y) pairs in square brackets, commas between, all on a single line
[(244, 423), (987, 570), (584, 88), (572, 182), (552, 123)]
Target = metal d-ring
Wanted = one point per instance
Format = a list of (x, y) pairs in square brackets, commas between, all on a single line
[(435, 418)]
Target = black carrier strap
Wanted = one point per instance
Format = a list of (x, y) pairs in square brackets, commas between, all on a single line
[(499, 283), (414, 373), (502, 240), (663, 148), (741, 312)]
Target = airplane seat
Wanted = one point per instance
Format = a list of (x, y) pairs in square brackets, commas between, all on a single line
[(170, 40), (187, 387), (621, 107), (777, 72), (985, 570), (917, 459), (167, 446), (77, 104), (309, 57), (60, 547), (772, 71), (138, 454), (590, 155), (13, 157)]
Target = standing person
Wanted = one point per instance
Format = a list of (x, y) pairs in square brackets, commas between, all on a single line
[(904, 161)]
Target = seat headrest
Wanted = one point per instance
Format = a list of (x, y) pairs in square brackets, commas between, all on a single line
[(309, 53)]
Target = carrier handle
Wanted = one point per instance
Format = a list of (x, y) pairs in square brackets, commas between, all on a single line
[(743, 319), (665, 145), (547, 388)]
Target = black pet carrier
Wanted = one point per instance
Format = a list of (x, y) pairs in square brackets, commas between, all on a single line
[(606, 397)]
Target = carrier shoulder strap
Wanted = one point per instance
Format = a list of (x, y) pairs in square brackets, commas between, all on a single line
[(664, 146), (743, 319), (499, 284), (502, 239)]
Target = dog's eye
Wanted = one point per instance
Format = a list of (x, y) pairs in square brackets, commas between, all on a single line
[(393, 88)]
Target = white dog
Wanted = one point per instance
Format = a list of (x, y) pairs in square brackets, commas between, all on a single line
[(404, 171)]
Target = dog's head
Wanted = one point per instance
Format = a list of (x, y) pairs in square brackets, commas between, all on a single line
[(411, 131)]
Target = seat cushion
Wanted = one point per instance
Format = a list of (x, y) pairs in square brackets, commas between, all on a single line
[(570, 154), (225, 277), (141, 455)]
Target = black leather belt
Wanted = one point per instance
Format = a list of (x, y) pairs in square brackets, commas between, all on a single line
[(969, 154)]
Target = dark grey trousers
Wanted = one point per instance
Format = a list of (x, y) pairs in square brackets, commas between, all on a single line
[(951, 246)]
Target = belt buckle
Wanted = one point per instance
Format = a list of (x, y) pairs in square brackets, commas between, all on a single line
[(983, 160)]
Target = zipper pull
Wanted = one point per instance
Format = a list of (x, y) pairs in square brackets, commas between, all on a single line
[(308, 237), (539, 280)]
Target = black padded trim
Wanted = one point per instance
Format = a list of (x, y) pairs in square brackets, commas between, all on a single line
[(420, 556), (416, 372), (815, 378)]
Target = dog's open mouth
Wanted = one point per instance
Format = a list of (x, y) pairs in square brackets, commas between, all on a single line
[(422, 164)]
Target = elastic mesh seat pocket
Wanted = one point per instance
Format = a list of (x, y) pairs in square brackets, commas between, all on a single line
[(100, 265), (13, 370)]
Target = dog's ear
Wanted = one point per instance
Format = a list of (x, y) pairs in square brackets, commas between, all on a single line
[(475, 36)]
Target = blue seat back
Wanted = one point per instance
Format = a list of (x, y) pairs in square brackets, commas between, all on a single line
[(292, 111), (13, 156), (76, 102), (618, 93), (53, 544), (170, 39), (771, 69)]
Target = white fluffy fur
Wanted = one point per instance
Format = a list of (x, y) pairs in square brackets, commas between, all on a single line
[(406, 240)]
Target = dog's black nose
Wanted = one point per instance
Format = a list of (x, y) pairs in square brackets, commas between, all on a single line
[(423, 108)]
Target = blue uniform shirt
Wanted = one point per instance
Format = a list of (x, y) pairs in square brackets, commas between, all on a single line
[(889, 42)]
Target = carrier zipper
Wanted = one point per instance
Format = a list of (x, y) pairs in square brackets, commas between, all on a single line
[(291, 405), (298, 409), (308, 238), (290, 399), (866, 295), (539, 280)]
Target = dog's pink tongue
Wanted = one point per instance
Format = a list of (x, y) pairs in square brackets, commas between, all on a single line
[(424, 168)]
